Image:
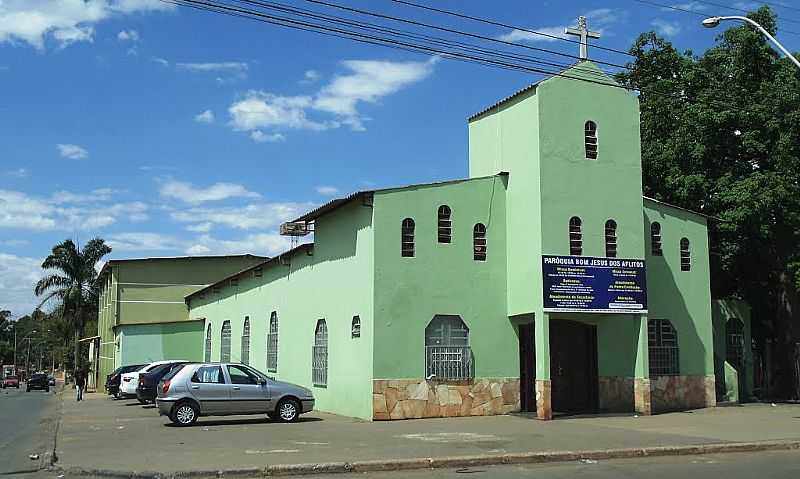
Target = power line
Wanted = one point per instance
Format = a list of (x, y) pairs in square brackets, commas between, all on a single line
[(504, 25), (740, 10), (781, 5)]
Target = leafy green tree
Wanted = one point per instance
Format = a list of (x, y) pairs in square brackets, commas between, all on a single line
[(73, 283), (721, 135)]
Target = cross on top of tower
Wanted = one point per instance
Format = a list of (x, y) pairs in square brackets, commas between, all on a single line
[(583, 32)]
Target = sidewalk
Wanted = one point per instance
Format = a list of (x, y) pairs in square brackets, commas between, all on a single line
[(102, 434)]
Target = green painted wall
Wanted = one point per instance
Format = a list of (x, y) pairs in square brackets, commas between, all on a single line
[(442, 278), (683, 297), (336, 283), (732, 386), (144, 343)]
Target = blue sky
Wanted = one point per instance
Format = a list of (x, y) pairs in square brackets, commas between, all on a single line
[(169, 131)]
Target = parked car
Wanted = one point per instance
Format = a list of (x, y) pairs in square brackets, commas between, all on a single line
[(130, 380), (222, 389), (146, 390), (37, 381), (113, 379), (11, 382)]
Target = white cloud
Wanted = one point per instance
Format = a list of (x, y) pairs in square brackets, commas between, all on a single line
[(665, 28), (598, 20), (73, 152), (263, 216), (18, 275), (260, 137), (160, 61), (187, 192), (310, 76), (367, 81), (65, 21), (200, 227), (268, 244), (694, 6), (18, 173), (205, 117), (128, 36), (143, 241), (327, 190), (212, 67)]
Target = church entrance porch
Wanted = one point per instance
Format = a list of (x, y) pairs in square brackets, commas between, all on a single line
[(573, 367)]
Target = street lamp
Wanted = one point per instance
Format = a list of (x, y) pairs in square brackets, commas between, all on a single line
[(712, 22), (15, 343)]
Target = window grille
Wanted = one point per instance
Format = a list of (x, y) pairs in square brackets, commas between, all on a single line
[(355, 327), (655, 239), (235, 282), (246, 341), (319, 360), (479, 242), (445, 225), (217, 289), (272, 343), (590, 140), (686, 256), (575, 236), (207, 353), (611, 239), (407, 238), (662, 342), (734, 343), (448, 355), (258, 272), (225, 343)]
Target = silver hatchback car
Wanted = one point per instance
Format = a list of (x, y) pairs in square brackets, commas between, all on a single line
[(224, 389)]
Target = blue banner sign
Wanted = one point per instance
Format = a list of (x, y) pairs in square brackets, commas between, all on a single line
[(594, 285)]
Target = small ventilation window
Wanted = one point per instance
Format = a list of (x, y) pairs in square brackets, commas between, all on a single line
[(479, 242), (235, 282), (590, 140), (686, 255), (319, 359), (272, 343), (245, 345), (258, 272), (611, 239), (575, 236), (355, 327), (655, 239), (407, 238), (445, 225)]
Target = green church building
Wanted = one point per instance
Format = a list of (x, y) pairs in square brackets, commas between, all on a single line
[(543, 283)]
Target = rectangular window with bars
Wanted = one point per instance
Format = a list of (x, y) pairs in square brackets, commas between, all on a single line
[(663, 350), (319, 359), (272, 344)]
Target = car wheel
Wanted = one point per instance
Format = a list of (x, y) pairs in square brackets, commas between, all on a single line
[(141, 401), (288, 410), (184, 414)]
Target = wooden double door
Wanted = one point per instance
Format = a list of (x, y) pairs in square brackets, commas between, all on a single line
[(573, 367)]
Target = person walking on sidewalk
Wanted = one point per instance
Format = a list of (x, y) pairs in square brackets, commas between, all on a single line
[(80, 383)]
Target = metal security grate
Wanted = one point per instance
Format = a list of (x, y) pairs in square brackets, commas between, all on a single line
[(272, 343), (448, 362), (225, 343), (407, 238), (319, 360), (246, 341), (662, 344), (590, 140), (479, 242), (734, 343), (445, 225), (655, 239), (686, 255), (207, 353), (575, 236), (611, 239)]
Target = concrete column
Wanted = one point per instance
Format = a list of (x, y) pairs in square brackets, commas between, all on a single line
[(544, 407), (641, 383)]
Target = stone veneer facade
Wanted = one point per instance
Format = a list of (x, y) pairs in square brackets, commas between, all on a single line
[(671, 393), (615, 394), (418, 398)]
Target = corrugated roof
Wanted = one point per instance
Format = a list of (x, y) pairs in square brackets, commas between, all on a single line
[(167, 258), (267, 262)]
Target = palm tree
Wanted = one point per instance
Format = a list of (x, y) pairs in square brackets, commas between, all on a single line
[(73, 281)]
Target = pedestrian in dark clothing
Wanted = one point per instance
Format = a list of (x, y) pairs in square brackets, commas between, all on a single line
[(80, 383)]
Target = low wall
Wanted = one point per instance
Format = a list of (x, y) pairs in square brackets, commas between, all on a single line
[(418, 398), (670, 393), (615, 394)]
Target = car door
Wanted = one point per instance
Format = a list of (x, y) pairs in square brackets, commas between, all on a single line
[(209, 388), (249, 392)]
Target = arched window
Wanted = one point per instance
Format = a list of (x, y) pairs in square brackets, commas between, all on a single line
[(655, 239), (734, 343), (686, 255), (590, 140), (407, 238), (225, 343), (246, 341), (319, 360), (662, 342), (207, 354), (447, 351), (479, 242), (272, 343), (355, 327), (445, 225), (611, 239), (575, 236)]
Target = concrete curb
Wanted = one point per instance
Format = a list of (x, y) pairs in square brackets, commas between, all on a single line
[(448, 462)]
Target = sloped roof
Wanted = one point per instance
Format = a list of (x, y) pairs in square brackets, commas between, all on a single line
[(112, 262), (679, 208)]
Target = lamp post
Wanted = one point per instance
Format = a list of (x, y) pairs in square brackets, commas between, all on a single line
[(15, 343), (712, 22)]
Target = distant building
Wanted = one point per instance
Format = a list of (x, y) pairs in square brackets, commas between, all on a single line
[(143, 316), (543, 283)]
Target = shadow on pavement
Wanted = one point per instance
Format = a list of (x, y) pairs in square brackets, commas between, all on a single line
[(238, 422)]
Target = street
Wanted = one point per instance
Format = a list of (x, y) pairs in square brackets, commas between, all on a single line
[(27, 421)]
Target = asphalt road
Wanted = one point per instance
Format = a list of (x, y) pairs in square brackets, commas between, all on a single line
[(26, 427)]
